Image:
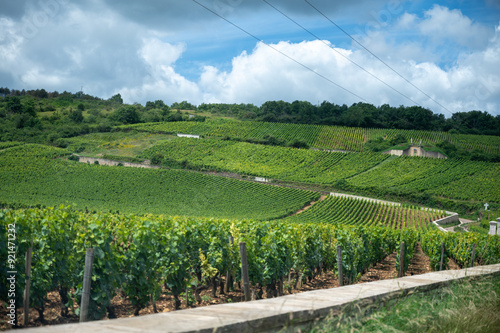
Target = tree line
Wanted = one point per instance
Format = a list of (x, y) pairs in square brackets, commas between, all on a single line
[(361, 115), (49, 117), (45, 117)]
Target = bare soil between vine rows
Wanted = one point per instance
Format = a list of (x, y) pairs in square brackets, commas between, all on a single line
[(386, 269)]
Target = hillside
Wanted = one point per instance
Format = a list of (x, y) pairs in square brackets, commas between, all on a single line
[(31, 176), (175, 229), (318, 136), (38, 116)]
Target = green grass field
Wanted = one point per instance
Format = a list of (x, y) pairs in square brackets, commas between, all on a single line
[(464, 306)]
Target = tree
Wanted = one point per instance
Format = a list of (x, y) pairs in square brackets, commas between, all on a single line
[(116, 99), (354, 117), (76, 116), (299, 144), (184, 105), (127, 115), (419, 118), (29, 107), (14, 105)]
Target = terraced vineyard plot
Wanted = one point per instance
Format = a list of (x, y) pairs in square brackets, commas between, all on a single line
[(456, 179), (266, 161), (117, 143), (349, 166), (187, 127), (352, 211), (318, 136), (289, 132), (486, 143), (342, 138), (29, 175), (398, 171), (483, 185), (464, 180), (210, 128), (427, 137)]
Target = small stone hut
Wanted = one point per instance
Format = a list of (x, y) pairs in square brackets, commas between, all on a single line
[(415, 150)]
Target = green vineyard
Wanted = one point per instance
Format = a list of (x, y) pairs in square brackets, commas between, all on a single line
[(356, 212), (32, 175), (372, 173), (317, 136), (258, 160), (143, 257), (466, 180)]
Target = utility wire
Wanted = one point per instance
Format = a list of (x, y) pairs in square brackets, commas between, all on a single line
[(282, 53), (388, 66), (347, 58)]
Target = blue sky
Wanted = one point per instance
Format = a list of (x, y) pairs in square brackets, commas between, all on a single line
[(176, 50)]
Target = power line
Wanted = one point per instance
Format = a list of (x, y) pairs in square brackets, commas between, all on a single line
[(282, 53), (347, 58), (388, 66)]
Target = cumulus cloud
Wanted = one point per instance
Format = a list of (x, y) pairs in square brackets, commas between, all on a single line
[(264, 74), (406, 21), (137, 50), (442, 24), (161, 80)]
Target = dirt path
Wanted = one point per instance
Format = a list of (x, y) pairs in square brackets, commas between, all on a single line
[(323, 189), (103, 161), (321, 198), (365, 198)]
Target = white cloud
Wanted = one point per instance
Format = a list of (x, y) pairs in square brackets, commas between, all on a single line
[(108, 53), (10, 43), (157, 53), (481, 72), (266, 74), (407, 21), (472, 83), (442, 24), (161, 80)]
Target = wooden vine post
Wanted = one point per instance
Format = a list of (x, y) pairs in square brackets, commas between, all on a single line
[(87, 279), (473, 255), (442, 257), (244, 271), (401, 260), (228, 273), (339, 264), (26, 299)]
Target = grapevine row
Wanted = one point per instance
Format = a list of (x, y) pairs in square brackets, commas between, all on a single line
[(31, 174), (356, 212), (318, 136), (142, 256)]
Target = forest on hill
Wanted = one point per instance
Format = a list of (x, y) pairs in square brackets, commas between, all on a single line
[(32, 102), (361, 115), (39, 116)]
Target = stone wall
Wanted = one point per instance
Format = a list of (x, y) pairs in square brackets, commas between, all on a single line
[(394, 152), (194, 136), (262, 179), (495, 227), (415, 151), (446, 220), (102, 161)]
